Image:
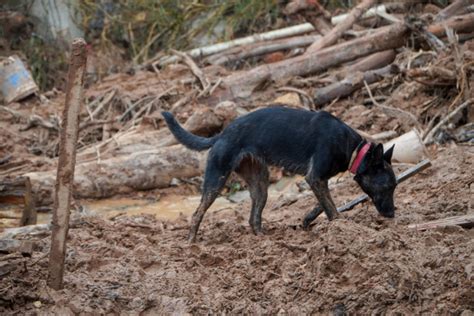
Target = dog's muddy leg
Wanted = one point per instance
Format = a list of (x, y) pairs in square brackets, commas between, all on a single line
[(321, 190), (311, 216), (256, 176), (214, 179)]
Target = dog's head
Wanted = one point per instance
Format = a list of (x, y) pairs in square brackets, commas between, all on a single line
[(376, 178)]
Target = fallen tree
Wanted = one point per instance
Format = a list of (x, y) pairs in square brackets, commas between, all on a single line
[(138, 171)]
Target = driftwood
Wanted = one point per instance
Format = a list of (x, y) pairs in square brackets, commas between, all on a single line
[(466, 221), (351, 83), (137, 171), (340, 28)]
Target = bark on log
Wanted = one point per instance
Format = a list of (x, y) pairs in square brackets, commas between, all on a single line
[(216, 48), (242, 84), (374, 61), (351, 83), (340, 28), (462, 23), (261, 48), (454, 8), (137, 171)]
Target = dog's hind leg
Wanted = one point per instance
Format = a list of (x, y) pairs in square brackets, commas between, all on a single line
[(214, 179), (255, 174)]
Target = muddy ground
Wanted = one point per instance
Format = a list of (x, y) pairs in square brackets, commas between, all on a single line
[(361, 263)]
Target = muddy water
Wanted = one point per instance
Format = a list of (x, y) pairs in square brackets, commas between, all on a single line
[(168, 207)]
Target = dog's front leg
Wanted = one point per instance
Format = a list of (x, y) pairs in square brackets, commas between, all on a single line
[(321, 190)]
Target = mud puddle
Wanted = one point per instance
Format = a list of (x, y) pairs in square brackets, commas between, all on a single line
[(169, 207)]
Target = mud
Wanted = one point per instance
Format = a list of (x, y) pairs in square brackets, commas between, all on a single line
[(361, 263)]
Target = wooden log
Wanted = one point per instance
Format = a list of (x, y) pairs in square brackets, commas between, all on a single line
[(374, 61), (242, 84), (454, 8), (463, 23), (261, 49), (351, 83), (466, 221), (15, 232), (66, 163), (340, 28), (217, 48), (124, 174)]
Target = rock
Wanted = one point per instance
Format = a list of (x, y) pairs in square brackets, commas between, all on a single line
[(291, 99)]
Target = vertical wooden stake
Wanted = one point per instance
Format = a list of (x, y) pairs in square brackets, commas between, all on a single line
[(66, 162)]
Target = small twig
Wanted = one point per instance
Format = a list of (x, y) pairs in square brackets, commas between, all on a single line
[(194, 68), (391, 110), (103, 103), (429, 136)]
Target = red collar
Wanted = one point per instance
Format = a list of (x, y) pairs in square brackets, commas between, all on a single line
[(355, 163)]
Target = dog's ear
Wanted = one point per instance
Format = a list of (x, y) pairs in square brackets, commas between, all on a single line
[(387, 156), (377, 153)]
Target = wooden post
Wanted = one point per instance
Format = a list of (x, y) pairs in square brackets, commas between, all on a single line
[(66, 162)]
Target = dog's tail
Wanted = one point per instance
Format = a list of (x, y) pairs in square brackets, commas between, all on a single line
[(186, 138)]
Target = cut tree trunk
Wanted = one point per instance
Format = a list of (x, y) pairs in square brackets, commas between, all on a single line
[(339, 29), (137, 171), (351, 83)]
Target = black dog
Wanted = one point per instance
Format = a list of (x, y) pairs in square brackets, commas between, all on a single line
[(314, 144)]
